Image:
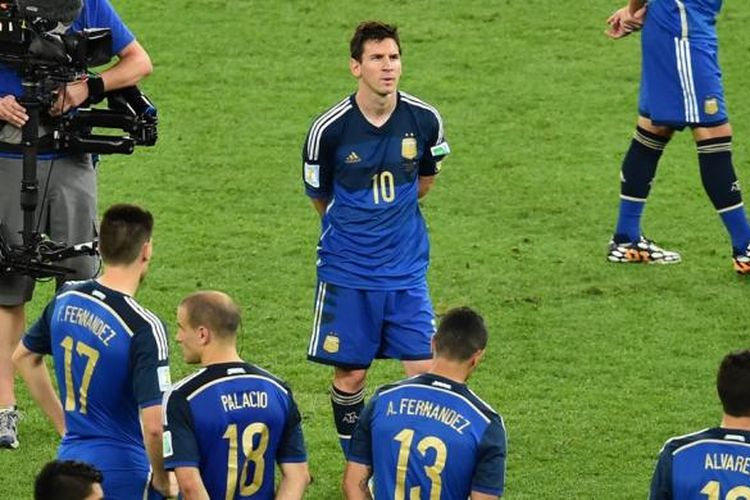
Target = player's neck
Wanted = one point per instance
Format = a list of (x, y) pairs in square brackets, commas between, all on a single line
[(121, 279), (450, 370), (375, 108), (730, 422), (219, 354)]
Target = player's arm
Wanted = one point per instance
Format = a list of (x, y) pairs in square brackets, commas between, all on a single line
[(355, 486), (475, 495), (320, 205), (151, 420), (294, 480), (34, 372), (661, 481), (191, 484), (425, 184)]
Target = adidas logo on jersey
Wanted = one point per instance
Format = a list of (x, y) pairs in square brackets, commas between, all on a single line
[(352, 158)]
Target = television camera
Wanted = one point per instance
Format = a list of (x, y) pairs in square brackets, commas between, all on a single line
[(36, 42)]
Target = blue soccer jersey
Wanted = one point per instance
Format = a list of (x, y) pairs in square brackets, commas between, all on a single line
[(693, 19), (430, 437), (233, 421), (711, 464), (373, 236), (111, 358)]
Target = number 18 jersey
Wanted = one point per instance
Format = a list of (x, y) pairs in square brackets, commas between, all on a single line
[(430, 437)]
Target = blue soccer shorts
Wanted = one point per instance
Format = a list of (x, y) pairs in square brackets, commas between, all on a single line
[(352, 327), (680, 80)]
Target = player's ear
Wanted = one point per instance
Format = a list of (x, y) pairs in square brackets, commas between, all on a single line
[(146, 251), (355, 67), (477, 357), (204, 335)]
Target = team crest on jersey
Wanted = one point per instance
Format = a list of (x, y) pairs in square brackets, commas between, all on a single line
[(409, 147), (331, 343), (711, 106)]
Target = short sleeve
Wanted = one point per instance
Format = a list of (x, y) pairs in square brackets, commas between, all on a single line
[(360, 447), (180, 446), (37, 338), (292, 445), (317, 162), (661, 482), (149, 354), (436, 146), (101, 14), (489, 474)]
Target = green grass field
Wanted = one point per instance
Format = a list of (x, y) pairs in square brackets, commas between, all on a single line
[(592, 365)]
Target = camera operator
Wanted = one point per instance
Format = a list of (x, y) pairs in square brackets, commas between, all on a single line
[(67, 180)]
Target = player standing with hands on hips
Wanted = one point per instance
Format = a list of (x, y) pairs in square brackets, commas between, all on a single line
[(680, 87), (367, 162)]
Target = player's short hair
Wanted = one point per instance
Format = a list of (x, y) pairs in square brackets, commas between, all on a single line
[(371, 30), (733, 383), (214, 310), (124, 230), (66, 480), (460, 335)]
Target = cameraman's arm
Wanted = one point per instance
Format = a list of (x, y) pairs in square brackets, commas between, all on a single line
[(133, 65)]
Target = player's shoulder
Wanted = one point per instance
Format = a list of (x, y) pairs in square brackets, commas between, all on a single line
[(327, 125), (419, 106), (715, 434)]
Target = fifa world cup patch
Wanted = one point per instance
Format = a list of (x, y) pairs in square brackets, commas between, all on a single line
[(409, 147), (312, 175), (165, 379), (711, 106), (331, 343), (166, 444), (441, 149)]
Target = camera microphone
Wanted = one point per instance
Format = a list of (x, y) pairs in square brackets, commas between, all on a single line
[(63, 11)]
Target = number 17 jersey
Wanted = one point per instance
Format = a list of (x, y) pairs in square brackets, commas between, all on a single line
[(430, 437)]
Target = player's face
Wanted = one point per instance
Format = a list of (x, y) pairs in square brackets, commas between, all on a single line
[(380, 68), (187, 337)]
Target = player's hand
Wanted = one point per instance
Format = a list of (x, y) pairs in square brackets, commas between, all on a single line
[(165, 484), (622, 22), (12, 112), (70, 96)]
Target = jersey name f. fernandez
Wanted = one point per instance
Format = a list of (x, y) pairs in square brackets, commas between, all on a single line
[(373, 235), (111, 358), (430, 437), (709, 464)]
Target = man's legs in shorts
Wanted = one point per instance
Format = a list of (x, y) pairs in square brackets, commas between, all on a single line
[(714, 146)]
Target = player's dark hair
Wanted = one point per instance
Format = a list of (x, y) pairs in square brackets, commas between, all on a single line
[(214, 310), (66, 480), (733, 383), (460, 335), (124, 230), (371, 30)]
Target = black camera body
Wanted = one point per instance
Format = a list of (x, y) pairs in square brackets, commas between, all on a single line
[(35, 42)]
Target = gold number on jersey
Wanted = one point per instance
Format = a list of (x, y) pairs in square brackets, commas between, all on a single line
[(405, 437), (712, 490), (383, 187), (252, 455), (92, 356)]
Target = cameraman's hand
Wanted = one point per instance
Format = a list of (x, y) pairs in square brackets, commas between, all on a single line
[(71, 96), (12, 112)]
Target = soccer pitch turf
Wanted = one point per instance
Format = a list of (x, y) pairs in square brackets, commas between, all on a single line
[(592, 365)]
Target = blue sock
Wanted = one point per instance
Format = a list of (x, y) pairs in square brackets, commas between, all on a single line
[(637, 173), (735, 221), (722, 187), (629, 221)]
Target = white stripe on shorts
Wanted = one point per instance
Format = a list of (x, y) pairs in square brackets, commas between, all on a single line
[(685, 72), (317, 315)]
